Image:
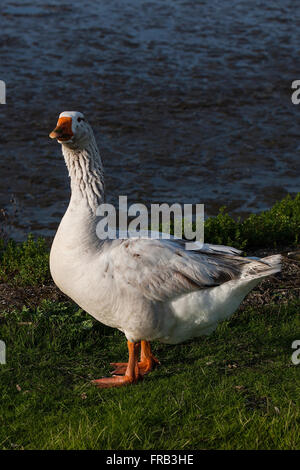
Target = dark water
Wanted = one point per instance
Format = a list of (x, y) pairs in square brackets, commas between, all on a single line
[(190, 101)]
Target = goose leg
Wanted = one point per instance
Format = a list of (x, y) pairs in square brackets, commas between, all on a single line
[(132, 374), (147, 362)]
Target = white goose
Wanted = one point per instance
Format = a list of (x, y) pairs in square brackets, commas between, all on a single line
[(149, 289)]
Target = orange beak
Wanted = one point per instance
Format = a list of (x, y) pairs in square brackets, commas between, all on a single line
[(63, 130)]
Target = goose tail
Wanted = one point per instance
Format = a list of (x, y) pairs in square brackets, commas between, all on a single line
[(262, 268)]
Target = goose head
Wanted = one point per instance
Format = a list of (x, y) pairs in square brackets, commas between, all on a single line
[(72, 130)]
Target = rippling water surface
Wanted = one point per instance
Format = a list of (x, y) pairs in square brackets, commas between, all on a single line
[(189, 100)]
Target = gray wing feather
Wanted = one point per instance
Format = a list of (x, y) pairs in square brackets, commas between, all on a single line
[(163, 269)]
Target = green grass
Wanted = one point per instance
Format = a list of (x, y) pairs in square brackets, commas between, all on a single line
[(24, 263), (279, 225), (236, 389)]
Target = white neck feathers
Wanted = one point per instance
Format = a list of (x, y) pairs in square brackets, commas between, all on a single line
[(86, 173)]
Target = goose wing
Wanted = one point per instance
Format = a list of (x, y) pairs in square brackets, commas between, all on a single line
[(163, 269)]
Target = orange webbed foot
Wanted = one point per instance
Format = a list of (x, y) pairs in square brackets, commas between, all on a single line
[(108, 382), (132, 374), (120, 368)]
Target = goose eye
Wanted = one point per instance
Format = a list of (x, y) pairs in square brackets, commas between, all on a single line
[(79, 119)]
